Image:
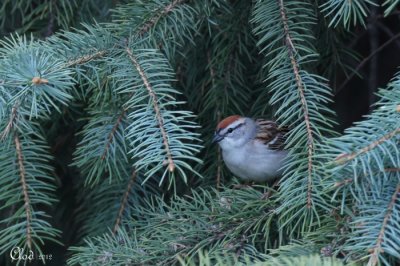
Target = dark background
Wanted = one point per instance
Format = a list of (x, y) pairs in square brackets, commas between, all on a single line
[(377, 45)]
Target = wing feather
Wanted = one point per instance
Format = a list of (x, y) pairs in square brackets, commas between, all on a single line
[(269, 133)]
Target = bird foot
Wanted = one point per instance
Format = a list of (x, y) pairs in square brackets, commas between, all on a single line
[(266, 195)]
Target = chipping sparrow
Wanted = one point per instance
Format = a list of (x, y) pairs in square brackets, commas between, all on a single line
[(251, 149)]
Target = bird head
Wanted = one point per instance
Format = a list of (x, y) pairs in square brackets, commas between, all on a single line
[(234, 131)]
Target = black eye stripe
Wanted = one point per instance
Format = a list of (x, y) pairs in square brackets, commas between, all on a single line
[(231, 129)]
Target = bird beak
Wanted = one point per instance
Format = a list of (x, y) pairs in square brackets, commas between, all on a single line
[(217, 138)]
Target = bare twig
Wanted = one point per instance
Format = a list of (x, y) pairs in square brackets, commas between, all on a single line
[(310, 142), (388, 32), (154, 98), (373, 260), (363, 62), (373, 66), (124, 202), (50, 25), (24, 191)]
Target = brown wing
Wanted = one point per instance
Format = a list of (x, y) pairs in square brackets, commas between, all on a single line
[(271, 134)]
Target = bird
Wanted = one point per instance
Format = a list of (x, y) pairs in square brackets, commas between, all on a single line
[(252, 149)]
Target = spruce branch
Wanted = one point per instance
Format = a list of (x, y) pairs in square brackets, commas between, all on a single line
[(302, 104), (122, 76), (212, 258), (344, 158), (161, 136), (370, 146), (26, 225), (368, 180), (228, 221), (164, 24), (107, 206), (347, 181), (102, 150), (124, 202), (390, 6), (27, 203), (147, 25), (375, 224), (378, 249), (85, 59), (111, 135), (154, 98), (310, 138), (346, 12), (35, 79), (10, 123)]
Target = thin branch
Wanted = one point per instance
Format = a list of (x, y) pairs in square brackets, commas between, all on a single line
[(366, 60), (171, 164), (85, 59), (112, 134), (50, 25), (124, 202), (212, 71), (10, 124), (227, 74), (388, 32), (310, 142), (25, 191), (152, 21), (373, 260), (343, 158), (373, 66), (219, 159)]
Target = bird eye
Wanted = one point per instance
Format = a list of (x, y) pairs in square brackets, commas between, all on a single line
[(230, 130)]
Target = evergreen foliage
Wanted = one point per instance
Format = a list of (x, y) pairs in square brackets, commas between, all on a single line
[(110, 123)]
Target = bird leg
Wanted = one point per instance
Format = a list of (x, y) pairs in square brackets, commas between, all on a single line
[(267, 195)]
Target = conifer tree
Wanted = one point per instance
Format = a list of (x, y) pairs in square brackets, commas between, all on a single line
[(108, 108)]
